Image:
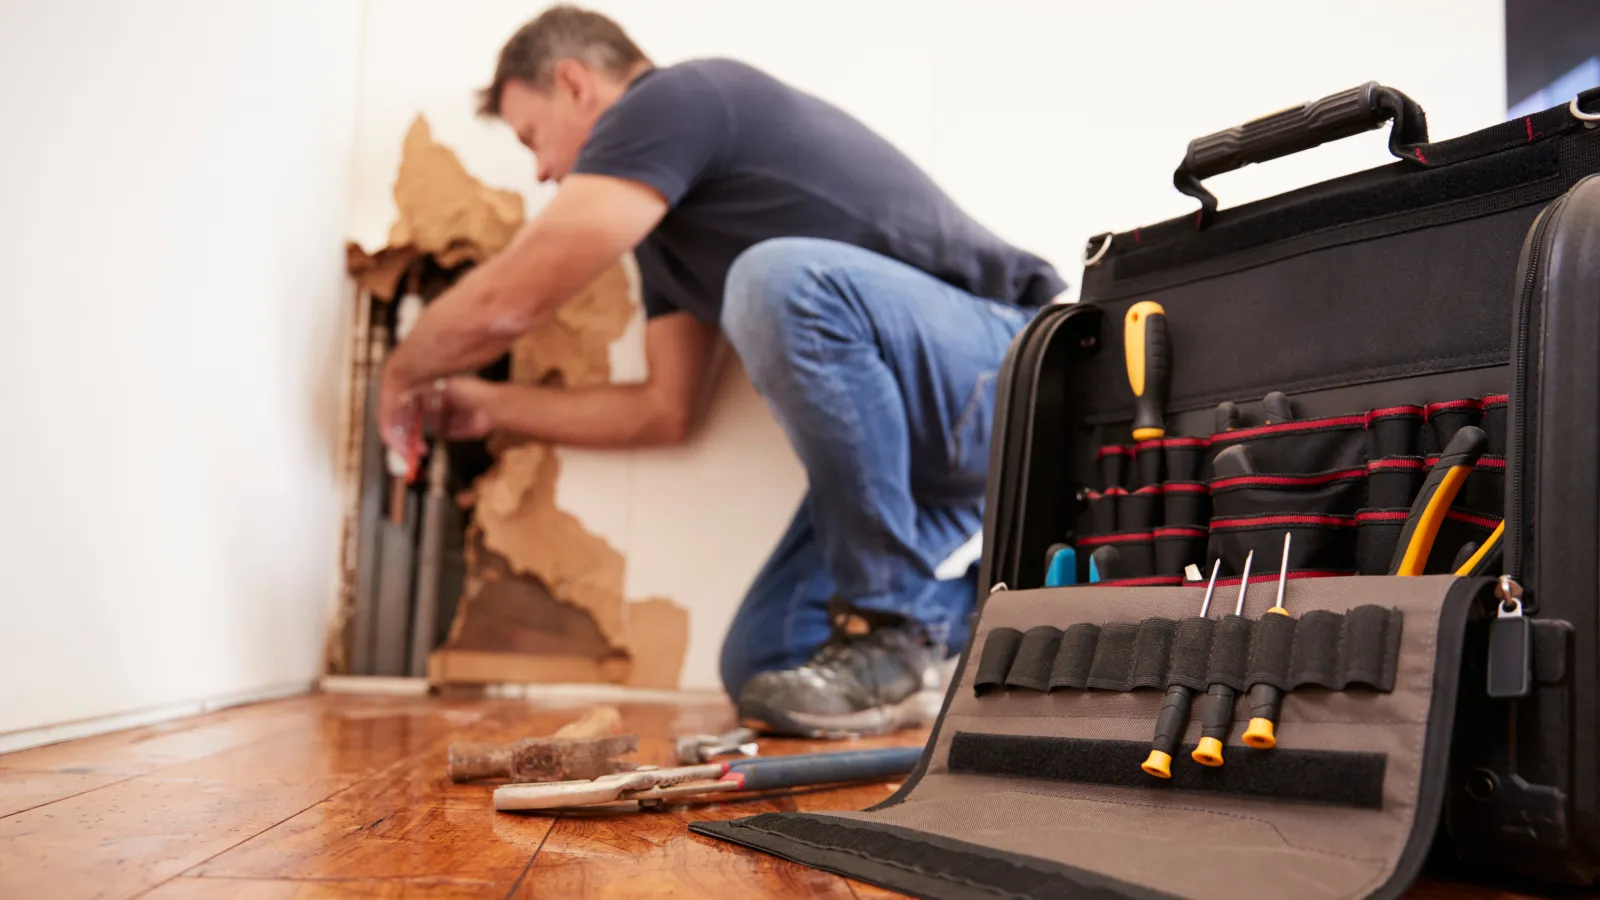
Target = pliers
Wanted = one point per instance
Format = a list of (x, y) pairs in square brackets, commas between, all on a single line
[(651, 786)]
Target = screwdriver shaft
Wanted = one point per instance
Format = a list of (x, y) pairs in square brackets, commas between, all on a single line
[(1244, 584), (1265, 699), (1283, 567), (1210, 586)]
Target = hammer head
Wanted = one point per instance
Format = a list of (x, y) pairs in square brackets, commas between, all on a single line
[(693, 749), (571, 759)]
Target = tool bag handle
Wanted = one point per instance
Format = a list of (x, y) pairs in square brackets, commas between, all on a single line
[(1299, 128)]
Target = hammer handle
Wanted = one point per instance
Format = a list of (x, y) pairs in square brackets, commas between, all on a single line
[(602, 721)]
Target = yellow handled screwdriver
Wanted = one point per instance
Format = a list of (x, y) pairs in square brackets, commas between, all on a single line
[(1149, 355), (1174, 717), (1266, 700), (1433, 501), (1219, 698)]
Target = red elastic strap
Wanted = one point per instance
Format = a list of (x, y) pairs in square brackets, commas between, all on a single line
[(1329, 424), (1132, 537), (1258, 521), (1433, 408), (1146, 581), (1260, 578), (1403, 463), (1470, 519), (1389, 412), (1288, 480)]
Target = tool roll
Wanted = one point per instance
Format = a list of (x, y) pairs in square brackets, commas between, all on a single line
[(1267, 546), (1035, 767)]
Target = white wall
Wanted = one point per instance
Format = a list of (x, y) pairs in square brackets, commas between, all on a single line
[(1050, 120), (173, 186)]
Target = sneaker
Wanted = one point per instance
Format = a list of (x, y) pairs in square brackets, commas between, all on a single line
[(877, 672)]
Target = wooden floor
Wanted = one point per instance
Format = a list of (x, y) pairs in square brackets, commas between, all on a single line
[(338, 796)]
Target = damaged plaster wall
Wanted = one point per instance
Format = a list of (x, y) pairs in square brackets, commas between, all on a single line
[(519, 537)]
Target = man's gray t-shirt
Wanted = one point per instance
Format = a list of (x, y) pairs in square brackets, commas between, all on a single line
[(741, 157)]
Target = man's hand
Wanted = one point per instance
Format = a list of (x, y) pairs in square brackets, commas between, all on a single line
[(590, 222), (398, 404), (466, 408), (457, 409)]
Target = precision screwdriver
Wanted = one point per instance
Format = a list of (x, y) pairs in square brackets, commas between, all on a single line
[(1266, 700), (1174, 717), (1218, 718)]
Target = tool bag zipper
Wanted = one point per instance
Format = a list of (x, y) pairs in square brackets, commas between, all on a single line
[(1523, 351)]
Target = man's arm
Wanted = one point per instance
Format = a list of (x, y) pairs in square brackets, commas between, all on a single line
[(591, 221), (660, 411)]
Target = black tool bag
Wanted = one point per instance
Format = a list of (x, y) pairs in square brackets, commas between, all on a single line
[(1459, 286)]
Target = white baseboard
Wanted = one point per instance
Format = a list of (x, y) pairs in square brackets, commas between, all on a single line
[(574, 694), (378, 685), (68, 731), (553, 694)]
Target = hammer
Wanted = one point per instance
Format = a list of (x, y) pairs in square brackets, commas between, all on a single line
[(579, 750)]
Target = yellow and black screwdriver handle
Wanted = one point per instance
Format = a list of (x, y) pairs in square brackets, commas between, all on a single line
[(1215, 723), (1170, 726), (1438, 492), (1266, 701), (1148, 349)]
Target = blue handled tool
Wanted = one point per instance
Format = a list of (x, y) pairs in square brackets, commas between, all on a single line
[(1063, 566), (652, 786)]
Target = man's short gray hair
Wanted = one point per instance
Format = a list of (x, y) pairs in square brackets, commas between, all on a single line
[(561, 32)]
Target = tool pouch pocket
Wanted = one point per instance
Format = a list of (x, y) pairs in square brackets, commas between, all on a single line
[(1032, 784)]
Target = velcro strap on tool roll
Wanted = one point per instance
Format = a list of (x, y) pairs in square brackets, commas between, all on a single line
[(1152, 650), (1331, 650), (1230, 651), (1113, 657), (1035, 657), (1337, 777), (999, 650), (1191, 653), (1076, 657), (1271, 647)]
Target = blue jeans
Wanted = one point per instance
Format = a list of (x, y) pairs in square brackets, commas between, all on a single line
[(883, 378)]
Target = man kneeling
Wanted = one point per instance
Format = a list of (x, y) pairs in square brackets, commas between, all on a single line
[(869, 310)]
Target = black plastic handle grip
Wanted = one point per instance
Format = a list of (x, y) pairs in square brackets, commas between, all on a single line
[(1265, 702), (1438, 492), (1286, 131), (1173, 720), (1299, 128), (1217, 720)]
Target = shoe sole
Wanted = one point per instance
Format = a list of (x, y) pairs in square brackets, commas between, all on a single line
[(915, 711)]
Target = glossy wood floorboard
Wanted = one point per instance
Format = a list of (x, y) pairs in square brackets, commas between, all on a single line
[(342, 796)]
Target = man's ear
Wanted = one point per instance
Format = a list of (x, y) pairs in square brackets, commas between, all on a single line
[(573, 79)]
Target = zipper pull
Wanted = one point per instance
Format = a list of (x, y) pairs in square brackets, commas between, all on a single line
[(1510, 662)]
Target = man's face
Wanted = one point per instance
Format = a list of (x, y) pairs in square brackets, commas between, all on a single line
[(553, 123)]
